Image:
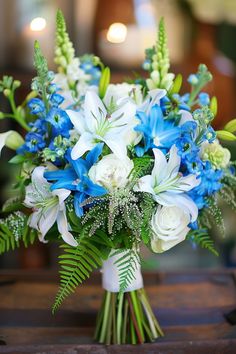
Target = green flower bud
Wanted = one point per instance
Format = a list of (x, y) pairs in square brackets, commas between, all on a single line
[(7, 92), (16, 84), (14, 140)]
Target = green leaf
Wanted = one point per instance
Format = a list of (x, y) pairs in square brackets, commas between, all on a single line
[(18, 159), (176, 85), (104, 81)]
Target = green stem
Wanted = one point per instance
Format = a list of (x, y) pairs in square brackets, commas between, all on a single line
[(109, 330), (119, 317), (137, 313), (113, 300), (20, 120), (124, 331), (105, 317), (132, 332)]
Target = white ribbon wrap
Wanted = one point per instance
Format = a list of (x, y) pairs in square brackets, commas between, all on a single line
[(110, 275)]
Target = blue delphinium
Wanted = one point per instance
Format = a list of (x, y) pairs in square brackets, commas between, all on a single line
[(210, 184), (156, 131), (203, 99), (75, 178), (188, 150), (60, 122), (90, 69), (34, 142), (36, 106)]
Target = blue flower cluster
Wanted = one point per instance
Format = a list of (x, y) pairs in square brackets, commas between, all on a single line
[(90, 69), (75, 178), (52, 121)]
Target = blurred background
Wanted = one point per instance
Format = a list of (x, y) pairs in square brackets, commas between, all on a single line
[(199, 31)]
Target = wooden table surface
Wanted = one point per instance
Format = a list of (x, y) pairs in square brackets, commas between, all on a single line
[(190, 307)]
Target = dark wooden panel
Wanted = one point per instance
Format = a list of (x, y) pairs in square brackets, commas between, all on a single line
[(190, 307)]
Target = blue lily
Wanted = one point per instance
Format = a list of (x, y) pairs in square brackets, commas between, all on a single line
[(75, 178), (157, 131)]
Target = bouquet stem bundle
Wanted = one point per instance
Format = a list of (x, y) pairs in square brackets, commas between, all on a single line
[(126, 318)]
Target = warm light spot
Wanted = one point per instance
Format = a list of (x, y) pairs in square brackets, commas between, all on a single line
[(117, 33), (38, 24)]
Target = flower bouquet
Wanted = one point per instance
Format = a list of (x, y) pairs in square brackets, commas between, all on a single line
[(105, 168)]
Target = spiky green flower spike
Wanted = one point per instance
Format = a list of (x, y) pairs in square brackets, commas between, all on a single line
[(64, 50), (159, 62)]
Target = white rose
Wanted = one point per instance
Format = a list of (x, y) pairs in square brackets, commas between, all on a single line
[(111, 173), (169, 226)]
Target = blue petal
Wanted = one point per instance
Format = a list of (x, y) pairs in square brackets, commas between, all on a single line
[(94, 190), (94, 154)]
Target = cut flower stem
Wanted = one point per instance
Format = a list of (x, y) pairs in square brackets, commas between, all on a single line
[(126, 318)]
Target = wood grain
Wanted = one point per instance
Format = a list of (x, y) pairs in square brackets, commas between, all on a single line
[(190, 307)]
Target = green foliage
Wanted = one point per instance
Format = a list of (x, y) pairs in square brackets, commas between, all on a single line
[(8, 87), (13, 231), (77, 263), (142, 166), (127, 265), (201, 238), (214, 105), (147, 206), (203, 77), (104, 81), (12, 204), (176, 85)]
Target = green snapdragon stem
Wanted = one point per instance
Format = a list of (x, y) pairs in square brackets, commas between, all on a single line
[(126, 318)]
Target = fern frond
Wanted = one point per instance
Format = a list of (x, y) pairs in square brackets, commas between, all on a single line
[(77, 263), (127, 265), (142, 166), (201, 238), (147, 206)]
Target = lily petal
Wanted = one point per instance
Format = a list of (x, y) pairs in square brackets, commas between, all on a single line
[(85, 143), (63, 229), (77, 120), (94, 110)]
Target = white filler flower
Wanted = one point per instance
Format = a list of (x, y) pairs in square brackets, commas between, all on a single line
[(48, 207), (111, 172), (167, 185), (94, 124), (170, 227)]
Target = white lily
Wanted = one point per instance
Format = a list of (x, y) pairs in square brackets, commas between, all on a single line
[(167, 185), (154, 97), (48, 207), (94, 124), (11, 139)]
